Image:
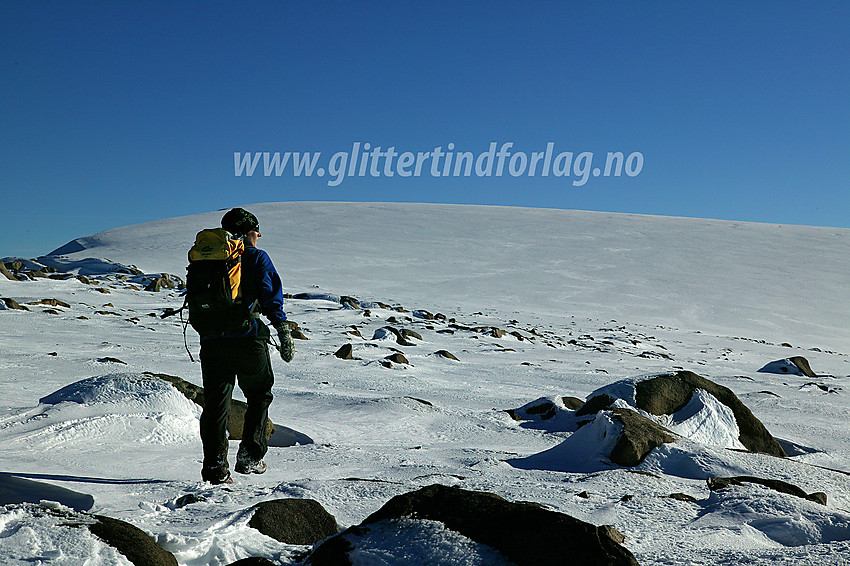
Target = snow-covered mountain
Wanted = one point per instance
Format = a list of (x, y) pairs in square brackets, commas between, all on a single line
[(535, 303)]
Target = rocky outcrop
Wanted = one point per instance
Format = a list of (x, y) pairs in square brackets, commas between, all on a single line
[(525, 533), (717, 484), (293, 521), (668, 393)]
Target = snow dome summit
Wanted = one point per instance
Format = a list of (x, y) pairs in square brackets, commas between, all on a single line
[(363, 160)]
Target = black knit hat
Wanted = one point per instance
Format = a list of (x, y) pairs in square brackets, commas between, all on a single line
[(239, 221)]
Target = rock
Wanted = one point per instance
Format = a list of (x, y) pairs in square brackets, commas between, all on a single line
[(683, 497), (572, 403), (132, 542), (349, 302), (195, 394), (346, 352), (14, 305), (795, 365), (490, 331), (639, 437), (6, 273), (407, 333), (188, 499), (160, 283), (385, 331), (397, 358), (51, 302), (668, 393), (109, 360), (446, 354), (253, 561), (542, 409), (423, 314), (293, 521), (103, 290), (83, 279), (525, 533), (716, 484)]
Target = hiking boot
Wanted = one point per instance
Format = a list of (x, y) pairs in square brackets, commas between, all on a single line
[(250, 467), (216, 477), (220, 479)]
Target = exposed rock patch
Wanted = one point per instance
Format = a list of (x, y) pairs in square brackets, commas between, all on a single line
[(639, 437), (293, 521), (716, 484)]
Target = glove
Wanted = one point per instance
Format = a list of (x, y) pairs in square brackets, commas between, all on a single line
[(287, 348)]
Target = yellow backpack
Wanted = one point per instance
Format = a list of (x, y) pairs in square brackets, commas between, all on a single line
[(214, 285)]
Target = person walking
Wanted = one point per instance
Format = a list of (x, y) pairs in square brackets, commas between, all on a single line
[(243, 358)]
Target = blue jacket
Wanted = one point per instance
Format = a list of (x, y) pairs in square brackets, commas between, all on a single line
[(260, 282)]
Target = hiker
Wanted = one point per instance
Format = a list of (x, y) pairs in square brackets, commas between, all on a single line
[(243, 356)]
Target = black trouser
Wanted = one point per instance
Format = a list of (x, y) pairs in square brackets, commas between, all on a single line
[(223, 361)]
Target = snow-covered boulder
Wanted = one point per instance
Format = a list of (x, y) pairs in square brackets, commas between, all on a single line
[(58, 534), (449, 525), (689, 405), (795, 365), (615, 437)]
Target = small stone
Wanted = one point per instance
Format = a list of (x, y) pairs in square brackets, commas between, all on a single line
[(14, 305), (446, 354), (397, 358), (346, 352)]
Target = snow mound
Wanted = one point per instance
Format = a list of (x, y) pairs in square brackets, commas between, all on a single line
[(586, 450), (410, 542), (114, 409), (705, 420), (42, 534), (783, 519)]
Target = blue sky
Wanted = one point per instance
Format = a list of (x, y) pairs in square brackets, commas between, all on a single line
[(119, 113)]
